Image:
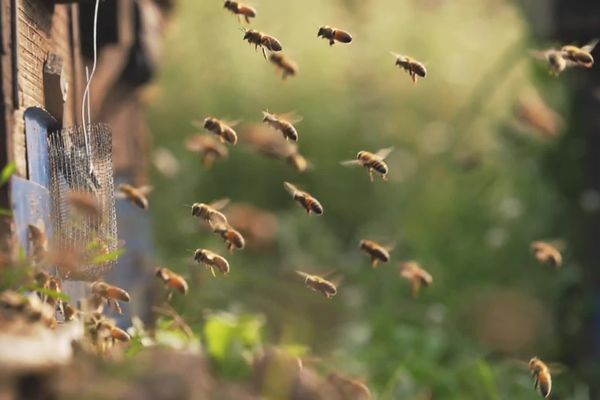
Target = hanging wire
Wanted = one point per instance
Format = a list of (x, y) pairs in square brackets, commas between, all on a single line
[(86, 92)]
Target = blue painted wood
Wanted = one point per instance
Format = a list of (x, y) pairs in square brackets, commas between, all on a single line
[(38, 123), (30, 203)]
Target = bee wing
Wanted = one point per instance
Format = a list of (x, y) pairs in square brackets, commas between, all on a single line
[(231, 123), (291, 189), (383, 153), (556, 368), (349, 163), (396, 55), (220, 203), (120, 195), (590, 46), (145, 190), (303, 274), (540, 54), (216, 218), (290, 117)]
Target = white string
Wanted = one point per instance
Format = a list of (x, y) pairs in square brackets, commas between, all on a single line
[(86, 92)]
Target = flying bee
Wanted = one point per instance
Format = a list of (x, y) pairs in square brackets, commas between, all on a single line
[(413, 67), (85, 204), (377, 252), (222, 128), (372, 161), (172, 281), (283, 63), (38, 243), (210, 212), (416, 275), (240, 10), (307, 201), (208, 147), (232, 237), (211, 260), (319, 284), (298, 161), (334, 35), (555, 59), (263, 40), (136, 195), (284, 123), (580, 56), (542, 379), (110, 293), (546, 253)]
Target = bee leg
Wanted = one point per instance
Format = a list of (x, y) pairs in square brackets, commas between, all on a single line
[(247, 19), (230, 247), (331, 42), (264, 52), (384, 177), (413, 77), (212, 270), (371, 174), (117, 307), (374, 262), (170, 296), (239, 18)]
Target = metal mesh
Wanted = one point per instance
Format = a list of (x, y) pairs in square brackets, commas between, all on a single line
[(77, 167)]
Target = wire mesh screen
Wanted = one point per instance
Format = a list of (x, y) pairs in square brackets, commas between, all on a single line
[(83, 201)]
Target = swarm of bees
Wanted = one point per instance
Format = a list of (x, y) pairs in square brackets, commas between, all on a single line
[(104, 333)]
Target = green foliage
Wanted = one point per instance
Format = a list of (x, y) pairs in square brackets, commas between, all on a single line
[(231, 340), (470, 227), (8, 171)]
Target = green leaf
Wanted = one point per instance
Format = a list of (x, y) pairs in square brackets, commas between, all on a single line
[(8, 170), (5, 212), (53, 293)]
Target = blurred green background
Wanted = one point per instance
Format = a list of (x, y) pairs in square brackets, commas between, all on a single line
[(469, 190)]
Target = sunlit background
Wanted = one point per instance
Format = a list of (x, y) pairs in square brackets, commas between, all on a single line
[(470, 187)]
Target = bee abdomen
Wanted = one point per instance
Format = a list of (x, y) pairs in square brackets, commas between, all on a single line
[(313, 205), (229, 135), (342, 36), (289, 132), (379, 166)]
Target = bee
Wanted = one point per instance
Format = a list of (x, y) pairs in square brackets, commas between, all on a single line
[(263, 40), (211, 260), (85, 204), (259, 226), (308, 202), (210, 212), (208, 147), (136, 195), (232, 237), (580, 56), (555, 59), (377, 252), (283, 123), (286, 65), (546, 253), (348, 387), (105, 330), (173, 281), (298, 161), (542, 379), (240, 10), (110, 293), (38, 243), (372, 161), (410, 65), (319, 284), (222, 128), (416, 275), (334, 35), (69, 312)]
